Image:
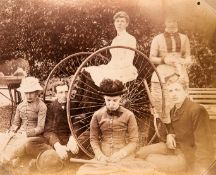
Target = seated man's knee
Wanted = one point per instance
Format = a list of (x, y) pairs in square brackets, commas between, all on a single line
[(167, 163), (36, 145), (32, 143), (158, 148)]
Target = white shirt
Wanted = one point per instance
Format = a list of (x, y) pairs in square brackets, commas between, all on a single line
[(121, 65)]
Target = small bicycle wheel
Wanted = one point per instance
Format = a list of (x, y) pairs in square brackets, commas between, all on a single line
[(83, 98)]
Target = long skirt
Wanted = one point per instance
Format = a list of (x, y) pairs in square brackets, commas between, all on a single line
[(133, 166)]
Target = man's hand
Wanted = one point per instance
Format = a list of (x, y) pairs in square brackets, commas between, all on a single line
[(170, 141), (61, 150), (72, 145), (117, 156), (101, 157)]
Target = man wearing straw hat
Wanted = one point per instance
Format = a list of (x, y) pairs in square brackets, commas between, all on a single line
[(28, 122)]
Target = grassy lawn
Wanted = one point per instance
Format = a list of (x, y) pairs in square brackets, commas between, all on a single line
[(69, 169)]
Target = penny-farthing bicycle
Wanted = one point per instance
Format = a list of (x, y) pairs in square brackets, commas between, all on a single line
[(83, 97)]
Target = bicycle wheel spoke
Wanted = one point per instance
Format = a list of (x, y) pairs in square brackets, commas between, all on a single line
[(91, 92), (86, 85), (86, 113), (89, 147), (83, 127), (84, 132), (140, 93), (89, 97), (85, 141), (86, 102), (82, 119), (139, 104), (139, 84), (88, 107)]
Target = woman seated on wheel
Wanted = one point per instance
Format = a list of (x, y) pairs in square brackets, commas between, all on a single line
[(114, 134), (121, 65)]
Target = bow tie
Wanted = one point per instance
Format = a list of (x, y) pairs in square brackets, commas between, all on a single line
[(114, 113)]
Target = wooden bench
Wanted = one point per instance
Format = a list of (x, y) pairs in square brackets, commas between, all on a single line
[(205, 97)]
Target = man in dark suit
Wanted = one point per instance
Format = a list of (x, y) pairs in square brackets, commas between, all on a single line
[(189, 143), (57, 142)]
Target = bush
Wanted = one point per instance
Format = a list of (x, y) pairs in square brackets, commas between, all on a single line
[(45, 32)]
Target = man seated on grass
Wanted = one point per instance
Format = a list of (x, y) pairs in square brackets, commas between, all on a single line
[(189, 144), (57, 143)]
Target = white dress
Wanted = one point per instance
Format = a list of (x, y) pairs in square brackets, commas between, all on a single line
[(121, 65)]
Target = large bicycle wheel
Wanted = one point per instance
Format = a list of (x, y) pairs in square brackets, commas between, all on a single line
[(83, 98), (63, 71)]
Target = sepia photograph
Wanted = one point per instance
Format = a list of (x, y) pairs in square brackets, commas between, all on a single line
[(108, 87)]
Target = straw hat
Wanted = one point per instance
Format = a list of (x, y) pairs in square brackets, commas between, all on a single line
[(30, 84), (49, 161)]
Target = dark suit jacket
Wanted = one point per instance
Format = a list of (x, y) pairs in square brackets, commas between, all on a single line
[(56, 126), (190, 124)]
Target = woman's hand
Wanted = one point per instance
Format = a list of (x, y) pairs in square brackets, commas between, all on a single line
[(101, 157), (117, 156)]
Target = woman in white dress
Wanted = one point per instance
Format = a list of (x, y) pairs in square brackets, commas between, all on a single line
[(121, 65)]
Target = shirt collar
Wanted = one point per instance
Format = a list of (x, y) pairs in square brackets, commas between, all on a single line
[(176, 113)]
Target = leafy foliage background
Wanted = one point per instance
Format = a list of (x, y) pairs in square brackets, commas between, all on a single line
[(45, 32)]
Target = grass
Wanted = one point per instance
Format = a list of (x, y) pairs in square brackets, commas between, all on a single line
[(5, 116), (69, 169)]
